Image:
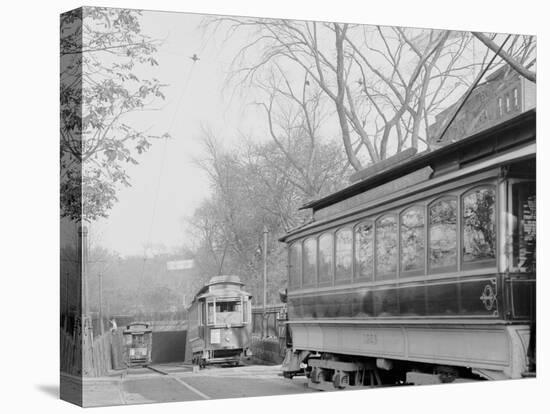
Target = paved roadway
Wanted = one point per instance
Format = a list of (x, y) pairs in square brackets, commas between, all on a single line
[(180, 383)]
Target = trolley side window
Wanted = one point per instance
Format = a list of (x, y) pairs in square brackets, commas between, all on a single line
[(412, 239), (364, 251), (325, 259), (443, 234), (295, 264), (310, 262), (344, 253), (524, 226), (245, 310), (479, 226), (386, 247), (211, 312)]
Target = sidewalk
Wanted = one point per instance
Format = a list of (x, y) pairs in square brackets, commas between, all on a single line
[(93, 391)]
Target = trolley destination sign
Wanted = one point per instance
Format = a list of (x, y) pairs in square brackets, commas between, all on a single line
[(180, 264)]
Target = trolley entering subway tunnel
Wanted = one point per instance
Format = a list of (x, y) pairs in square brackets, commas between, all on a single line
[(220, 322)]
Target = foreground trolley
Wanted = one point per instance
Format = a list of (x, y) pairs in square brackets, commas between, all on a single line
[(220, 322), (424, 272)]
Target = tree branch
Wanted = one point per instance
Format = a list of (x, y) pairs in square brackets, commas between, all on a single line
[(527, 74)]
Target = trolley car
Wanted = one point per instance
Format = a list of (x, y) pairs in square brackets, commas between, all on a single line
[(219, 324), (421, 272)]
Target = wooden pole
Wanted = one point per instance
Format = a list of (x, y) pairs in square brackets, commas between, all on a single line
[(84, 269), (66, 307), (264, 327), (101, 328)]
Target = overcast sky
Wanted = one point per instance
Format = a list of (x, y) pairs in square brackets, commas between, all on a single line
[(167, 185), (194, 98)]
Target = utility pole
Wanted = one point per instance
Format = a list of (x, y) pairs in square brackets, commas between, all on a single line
[(264, 324), (102, 330), (84, 268), (67, 307)]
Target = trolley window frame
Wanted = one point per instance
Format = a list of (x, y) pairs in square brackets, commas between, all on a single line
[(510, 254), (349, 277), (355, 273), (423, 267), (244, 309), (423, 200), (332, 271), (315, 250), (211, 301), (295, 282), (498, 212), (449, 268)]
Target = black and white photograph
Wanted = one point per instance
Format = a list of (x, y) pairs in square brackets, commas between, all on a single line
[(289, 206), (257, 206)]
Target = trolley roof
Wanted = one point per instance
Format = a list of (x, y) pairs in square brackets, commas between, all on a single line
[(496, 139), (222, 285)]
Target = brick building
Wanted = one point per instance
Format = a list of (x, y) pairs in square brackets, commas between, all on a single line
[(503, 95)]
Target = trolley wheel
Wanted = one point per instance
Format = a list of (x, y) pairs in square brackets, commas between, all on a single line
[(340, 380), (336, 381), (447, 374), (317, 375)]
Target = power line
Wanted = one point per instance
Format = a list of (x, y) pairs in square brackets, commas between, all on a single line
[(471, 89), (163, 159)]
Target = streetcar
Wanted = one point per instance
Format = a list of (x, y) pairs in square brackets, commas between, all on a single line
[(422, 271), (219, 323)]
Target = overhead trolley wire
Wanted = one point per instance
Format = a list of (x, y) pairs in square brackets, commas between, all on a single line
[(163, 159), (471, 89)]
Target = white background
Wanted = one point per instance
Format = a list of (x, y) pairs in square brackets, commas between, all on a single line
[(29, 258)]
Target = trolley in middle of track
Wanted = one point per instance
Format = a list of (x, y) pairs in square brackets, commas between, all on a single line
[(220, 325)]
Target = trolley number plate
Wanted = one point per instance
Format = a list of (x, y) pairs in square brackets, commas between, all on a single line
[(370, 338), (215, 336)]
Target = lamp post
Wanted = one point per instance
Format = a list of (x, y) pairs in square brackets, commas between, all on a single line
[(264, 324)]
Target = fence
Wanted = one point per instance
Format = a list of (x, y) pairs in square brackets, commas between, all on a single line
[(97, 355), (275, 315), (269, 333), (94, 354), (71, 353), (86, 355)]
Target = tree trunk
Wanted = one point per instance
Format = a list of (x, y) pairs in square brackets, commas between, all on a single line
[(354, 161)]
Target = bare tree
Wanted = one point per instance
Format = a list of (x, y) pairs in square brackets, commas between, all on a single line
[(519, 55), (295, 114), (262, 184), (385, 83)]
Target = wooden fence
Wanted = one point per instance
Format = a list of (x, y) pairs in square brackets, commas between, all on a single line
[(273, 322), (89, 356), (269, 333), (97, 355), (70, 347)]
